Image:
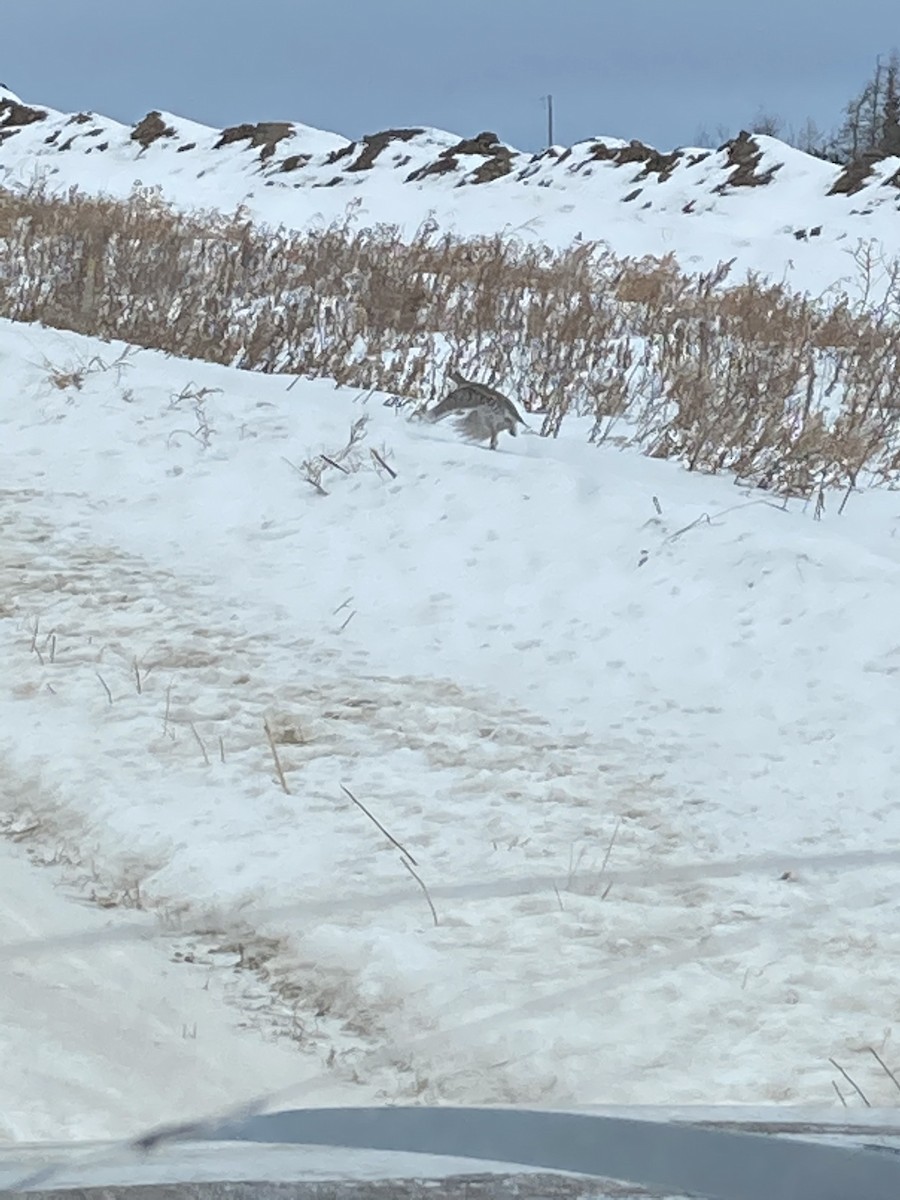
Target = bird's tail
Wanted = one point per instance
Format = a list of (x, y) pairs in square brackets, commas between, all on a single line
[(475, 426)]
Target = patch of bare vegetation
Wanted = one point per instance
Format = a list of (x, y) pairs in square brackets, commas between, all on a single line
[(374, 143), (653, 161), (782, 390), (744, 155), (856, 175), (265, 136), (150, 130), (497, 160), (14, 114), (347, 460)]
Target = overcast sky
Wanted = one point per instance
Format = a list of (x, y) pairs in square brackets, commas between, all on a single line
[(658, 70)]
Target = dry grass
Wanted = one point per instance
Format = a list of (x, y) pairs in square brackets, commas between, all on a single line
[(786, 392)]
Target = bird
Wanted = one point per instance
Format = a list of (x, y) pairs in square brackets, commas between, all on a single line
[(482, 412)]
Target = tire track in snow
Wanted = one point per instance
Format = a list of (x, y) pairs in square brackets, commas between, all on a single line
[(75, 1029), (479, 787), (483, 889)]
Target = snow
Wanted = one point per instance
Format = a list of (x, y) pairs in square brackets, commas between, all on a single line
[(111, 1165), (635, 726), (694, 212), (75, 1026)]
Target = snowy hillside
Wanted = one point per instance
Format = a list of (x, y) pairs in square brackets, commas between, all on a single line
[(556, 774), (633, 728), (755, 200)]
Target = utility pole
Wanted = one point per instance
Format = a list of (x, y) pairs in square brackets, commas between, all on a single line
[(549, 121)]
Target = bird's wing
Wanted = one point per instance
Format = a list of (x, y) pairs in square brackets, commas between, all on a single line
[(513, 411), (469, 394), (490, 393), (460, 400)]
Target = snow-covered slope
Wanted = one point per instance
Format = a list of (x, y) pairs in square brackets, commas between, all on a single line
[(635, 727), (756, 200)]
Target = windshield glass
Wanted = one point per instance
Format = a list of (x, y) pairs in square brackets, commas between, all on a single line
[(448, 564)]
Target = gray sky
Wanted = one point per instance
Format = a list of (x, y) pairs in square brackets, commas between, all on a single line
[(658, 70)]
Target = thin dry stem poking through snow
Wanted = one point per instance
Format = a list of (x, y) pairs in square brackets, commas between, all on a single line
[(378, 825), (279, 770)]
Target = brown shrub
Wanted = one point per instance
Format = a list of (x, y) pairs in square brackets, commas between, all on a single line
[(374, 143), (265, 134), (14, 115), (744, 154), (784, 392), (150, 129), (855, 175), (498, 159)]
